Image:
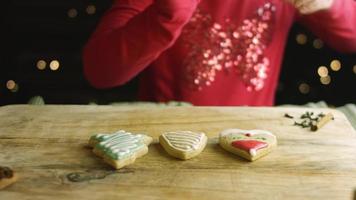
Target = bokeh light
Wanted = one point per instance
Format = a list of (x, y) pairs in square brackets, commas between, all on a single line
[(335, 65), (325, 80), (301, 39), (91, 9), (41, 64), (54, 65), (72, 13), (12, 86), (323, 71), (304, 88), (318, 43)]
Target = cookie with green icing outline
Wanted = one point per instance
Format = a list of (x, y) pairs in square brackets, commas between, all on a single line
[(249, 144), (121, 148), (183, 144)]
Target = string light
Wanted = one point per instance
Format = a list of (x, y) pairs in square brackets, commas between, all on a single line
[(12, 86), (72, 13), (325, 80), (304, 88), (54, 65), (91, 9), (318, 43), (301, 39), (41, 64), (335, 65), (323, 71)]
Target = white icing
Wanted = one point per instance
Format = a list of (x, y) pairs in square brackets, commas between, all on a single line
[(237, 132), (121, 144), (243, 132), (253, 152), (184, 140)]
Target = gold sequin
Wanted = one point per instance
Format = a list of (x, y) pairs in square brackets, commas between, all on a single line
[(214, 47)]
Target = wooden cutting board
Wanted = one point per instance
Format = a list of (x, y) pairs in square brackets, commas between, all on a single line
[(46, 145)]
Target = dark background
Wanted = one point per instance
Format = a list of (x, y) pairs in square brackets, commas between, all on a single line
[(56, 30)]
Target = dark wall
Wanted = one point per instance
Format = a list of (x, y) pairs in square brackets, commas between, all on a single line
[(300, 81), (49, 30)]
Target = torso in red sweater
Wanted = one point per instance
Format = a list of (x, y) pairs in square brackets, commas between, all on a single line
[(221, 52)]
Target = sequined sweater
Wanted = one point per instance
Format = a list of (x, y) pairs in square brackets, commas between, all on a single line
[(208, 52)]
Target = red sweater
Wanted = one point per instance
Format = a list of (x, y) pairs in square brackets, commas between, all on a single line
[(212, 52)]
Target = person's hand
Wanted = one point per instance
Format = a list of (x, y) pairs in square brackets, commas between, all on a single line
[(306, 7)]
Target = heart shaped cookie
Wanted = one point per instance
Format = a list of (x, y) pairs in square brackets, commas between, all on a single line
[(183, 144), (249, 144)]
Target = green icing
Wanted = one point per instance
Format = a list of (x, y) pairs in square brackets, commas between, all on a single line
[(109, 151)]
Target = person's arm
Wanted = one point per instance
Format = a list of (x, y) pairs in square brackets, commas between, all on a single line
[(131, 35), (336, 25)]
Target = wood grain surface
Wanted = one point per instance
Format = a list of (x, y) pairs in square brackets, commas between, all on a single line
[(46, 146)]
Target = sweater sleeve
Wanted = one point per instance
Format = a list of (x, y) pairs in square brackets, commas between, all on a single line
[(131, 35), (336, 26)]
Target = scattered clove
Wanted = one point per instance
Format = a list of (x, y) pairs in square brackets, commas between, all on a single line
[(312, 121), (6, 172), (288, 116)]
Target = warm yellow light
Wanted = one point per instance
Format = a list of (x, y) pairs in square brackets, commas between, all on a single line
[(325, 80), (304, 88), (54, 65), (323, 71), (335, 65), (41, 64), (72, 13), (91, 9), (318, 43), (10, 84), (354, 69), (301, 39)]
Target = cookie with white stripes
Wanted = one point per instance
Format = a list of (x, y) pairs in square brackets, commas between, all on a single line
[(249, 144), (183, 144), (121, 148)]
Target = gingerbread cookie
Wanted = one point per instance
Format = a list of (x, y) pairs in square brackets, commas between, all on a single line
[(7, 177), (183, 144), (121, 148), (249, 144)]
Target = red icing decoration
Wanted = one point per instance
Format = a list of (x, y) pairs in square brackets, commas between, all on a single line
[(248, 145), (248, 134)]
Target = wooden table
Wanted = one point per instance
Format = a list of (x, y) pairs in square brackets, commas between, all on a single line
[(46, 143)]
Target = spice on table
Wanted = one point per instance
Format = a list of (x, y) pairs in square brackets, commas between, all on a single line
[(322, 121), (288, 116), (311, 120), (7, 177), (6, 172)]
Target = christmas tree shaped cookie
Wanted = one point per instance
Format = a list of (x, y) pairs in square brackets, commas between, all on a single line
[(121, 148), (183, 144), (249, 144)]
